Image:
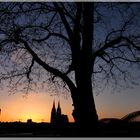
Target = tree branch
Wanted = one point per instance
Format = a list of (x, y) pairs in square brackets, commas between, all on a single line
[(52, 34), (66, 11), (114, 42), (49, 68), (29, 70), (64, 20)]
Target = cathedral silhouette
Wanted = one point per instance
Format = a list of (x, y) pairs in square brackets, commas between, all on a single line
[(57, 117)]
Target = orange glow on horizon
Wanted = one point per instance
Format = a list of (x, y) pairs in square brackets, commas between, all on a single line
[(36, 107)]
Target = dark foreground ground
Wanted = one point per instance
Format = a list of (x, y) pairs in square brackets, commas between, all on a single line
[(113, 129)]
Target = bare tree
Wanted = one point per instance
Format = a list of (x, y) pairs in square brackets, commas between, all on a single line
[(74, 42)]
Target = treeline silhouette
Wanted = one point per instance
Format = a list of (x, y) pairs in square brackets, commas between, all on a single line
[(110, 129)]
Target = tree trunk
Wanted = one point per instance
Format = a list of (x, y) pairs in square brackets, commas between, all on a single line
[(85, 111)]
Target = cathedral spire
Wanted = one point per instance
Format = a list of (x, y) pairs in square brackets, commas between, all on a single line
[(58, 104), (53, 104), (53, 113), (57, 118), (58, 109)]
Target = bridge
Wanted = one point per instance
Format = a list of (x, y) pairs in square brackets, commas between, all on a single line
[(131, 116)]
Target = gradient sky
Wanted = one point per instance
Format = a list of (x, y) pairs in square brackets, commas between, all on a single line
[(37, 106)]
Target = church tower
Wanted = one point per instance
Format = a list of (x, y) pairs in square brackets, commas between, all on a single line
[(53, 113), (57, 117), (59, 109)]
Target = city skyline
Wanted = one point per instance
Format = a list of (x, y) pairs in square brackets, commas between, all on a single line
[(37, 106)]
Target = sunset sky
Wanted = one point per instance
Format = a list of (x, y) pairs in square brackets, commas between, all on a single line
[(37, 105)]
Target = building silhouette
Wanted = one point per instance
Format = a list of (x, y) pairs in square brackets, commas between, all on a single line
[(57, 117), (29, 121)]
